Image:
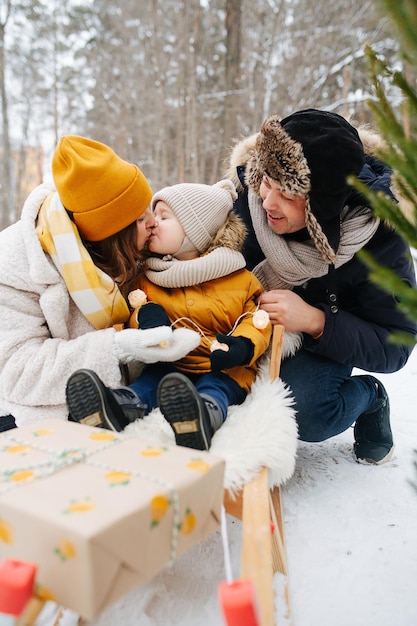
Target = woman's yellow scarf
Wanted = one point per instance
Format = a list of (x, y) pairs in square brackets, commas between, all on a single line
[(94, 292)]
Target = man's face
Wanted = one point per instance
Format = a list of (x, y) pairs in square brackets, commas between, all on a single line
[(285, 213)]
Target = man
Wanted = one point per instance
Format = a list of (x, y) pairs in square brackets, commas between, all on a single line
[(306, 224)]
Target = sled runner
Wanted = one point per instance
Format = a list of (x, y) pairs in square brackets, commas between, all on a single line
[(263, 550)]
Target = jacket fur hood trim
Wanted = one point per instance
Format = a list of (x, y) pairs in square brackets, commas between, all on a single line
[(232, 235)]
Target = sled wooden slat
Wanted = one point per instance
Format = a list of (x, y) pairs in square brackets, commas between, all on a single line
[(279, 559), (233, 506), (260, 509), (256, 545), (276, 351), (279, 551)]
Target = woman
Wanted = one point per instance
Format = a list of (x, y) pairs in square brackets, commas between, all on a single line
[(65, 269)]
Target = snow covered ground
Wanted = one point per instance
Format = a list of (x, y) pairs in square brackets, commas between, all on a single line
[(351, 534)]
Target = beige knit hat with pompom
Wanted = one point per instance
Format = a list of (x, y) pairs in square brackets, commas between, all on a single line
[(200, 209)]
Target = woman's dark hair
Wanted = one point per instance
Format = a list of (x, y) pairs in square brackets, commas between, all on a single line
[(118, 256)]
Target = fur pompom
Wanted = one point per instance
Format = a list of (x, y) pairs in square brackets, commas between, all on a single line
[(229, 186)]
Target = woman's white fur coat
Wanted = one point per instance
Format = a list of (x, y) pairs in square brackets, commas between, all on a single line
[(43, 335)]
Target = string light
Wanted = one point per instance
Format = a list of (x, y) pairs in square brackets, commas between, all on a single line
[(260, 320)]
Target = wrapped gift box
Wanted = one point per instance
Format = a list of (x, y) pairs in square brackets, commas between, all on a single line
[(100, 512)]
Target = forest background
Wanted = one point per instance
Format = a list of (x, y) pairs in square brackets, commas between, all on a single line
[(170, 84)]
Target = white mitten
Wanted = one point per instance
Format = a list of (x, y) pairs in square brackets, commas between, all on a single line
[(175, 345), (131, 342), (183, 340)]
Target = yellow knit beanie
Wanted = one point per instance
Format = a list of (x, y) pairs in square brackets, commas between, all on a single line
[(102, 192)]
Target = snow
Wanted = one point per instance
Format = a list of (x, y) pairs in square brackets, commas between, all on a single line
[(351, 533)]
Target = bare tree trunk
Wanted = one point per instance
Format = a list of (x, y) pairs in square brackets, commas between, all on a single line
[(55, 88), (232, 70), (21, 164), (191, 144), (346, 74), (160, 119), (180, 133), (7, 209)]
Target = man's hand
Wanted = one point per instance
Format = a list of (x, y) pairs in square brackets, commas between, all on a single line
[(287, 308)]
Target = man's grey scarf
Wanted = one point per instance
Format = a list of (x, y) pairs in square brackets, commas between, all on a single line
[(290, 262), (170, 272)]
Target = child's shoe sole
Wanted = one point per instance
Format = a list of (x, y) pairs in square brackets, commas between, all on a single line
[(88, 403), (185, 410)]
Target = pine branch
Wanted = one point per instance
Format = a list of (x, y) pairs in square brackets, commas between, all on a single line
[(389, 210), (399, 151), (389, 281), (403, 14)]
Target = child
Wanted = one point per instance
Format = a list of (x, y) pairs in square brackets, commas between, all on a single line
[(198, 280)]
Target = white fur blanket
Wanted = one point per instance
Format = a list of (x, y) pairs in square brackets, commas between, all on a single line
[(260, 432)]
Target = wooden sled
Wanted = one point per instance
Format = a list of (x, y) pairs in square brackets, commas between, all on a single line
[(263, 551)]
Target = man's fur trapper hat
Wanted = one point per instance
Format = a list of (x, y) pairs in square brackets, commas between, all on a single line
[(310, 153)]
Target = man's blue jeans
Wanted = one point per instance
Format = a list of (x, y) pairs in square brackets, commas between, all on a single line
[(328, 400)]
